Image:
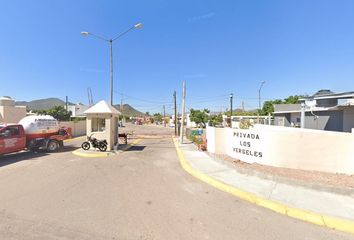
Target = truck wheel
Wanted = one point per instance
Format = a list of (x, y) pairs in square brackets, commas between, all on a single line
[(52, 146), (85, 145)]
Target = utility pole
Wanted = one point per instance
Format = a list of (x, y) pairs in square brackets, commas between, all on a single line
[(259, 95), (164, 116), (243, 106), (111, 71), (231, 97), (174, 97), (183, 111), (91, 97), (66, 104), (88, 97), (121, 108)]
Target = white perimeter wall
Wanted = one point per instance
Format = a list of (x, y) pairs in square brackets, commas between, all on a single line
[(286, 147), (77, 128), (11, 114)]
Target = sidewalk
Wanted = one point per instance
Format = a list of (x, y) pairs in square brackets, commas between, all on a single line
[(320, 207)]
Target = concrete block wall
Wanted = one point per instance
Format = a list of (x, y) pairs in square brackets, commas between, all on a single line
[(77, 128)]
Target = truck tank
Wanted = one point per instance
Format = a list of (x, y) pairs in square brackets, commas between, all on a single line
[(39, 126)]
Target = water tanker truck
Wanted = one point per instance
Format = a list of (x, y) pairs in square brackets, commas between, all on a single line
[(33, 133)]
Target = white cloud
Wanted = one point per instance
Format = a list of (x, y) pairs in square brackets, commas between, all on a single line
[(202, 17)]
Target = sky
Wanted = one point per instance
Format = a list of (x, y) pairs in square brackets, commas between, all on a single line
[(217, 46)]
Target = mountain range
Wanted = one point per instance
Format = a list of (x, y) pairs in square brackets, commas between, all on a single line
[(129, 111), (47, 103)]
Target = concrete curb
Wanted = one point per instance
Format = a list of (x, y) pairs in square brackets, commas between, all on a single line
[(304, 215), (75, 138), (78, 152)]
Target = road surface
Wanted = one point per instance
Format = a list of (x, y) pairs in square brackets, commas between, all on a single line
[(141, 194)]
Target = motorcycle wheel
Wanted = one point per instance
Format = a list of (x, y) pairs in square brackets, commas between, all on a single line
[(85, 145), (102, 147)]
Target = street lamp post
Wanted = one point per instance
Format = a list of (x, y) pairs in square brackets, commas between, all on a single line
[(259, 95), (110, 41), (231, 97)]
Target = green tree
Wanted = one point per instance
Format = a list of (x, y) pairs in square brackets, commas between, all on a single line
[(292, 99), (40, 112), (216, 120), (59, 113), (268, 106), (241, 113), (199, 117), (157, 117)]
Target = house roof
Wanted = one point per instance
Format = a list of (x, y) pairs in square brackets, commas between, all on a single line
[(293, 109), (102, 107), (329, 95)]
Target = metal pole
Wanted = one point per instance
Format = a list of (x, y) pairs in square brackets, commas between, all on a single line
[(174, 97), (111, 70), (91, 97), (66, 104), (259, 95), (259, 99), (269, 119), (164, 116), (88, 96), (183, 110), (302, 114), (121, 110), (231, 97)]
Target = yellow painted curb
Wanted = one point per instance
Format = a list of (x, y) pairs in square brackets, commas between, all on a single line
[(150, 137), (77, 152), (91, 155), (75, 138), (304, 215)]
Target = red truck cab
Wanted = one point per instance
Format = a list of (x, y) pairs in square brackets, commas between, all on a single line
[(12, 138)]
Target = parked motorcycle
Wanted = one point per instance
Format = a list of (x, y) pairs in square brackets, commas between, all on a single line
[(95, 143)]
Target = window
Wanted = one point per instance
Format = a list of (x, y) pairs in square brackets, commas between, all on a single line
[(98, 124), (14, 130)]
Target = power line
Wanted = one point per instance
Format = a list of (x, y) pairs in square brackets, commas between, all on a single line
[(141, 99)]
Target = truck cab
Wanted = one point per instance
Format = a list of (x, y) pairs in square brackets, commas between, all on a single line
[(12, 138)]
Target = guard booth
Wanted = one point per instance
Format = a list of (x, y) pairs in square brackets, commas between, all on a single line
[(102, 122)]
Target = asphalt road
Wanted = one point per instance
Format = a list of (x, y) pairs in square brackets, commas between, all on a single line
[(140, 194)]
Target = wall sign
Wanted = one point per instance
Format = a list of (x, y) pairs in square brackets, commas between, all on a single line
[(246, 145)]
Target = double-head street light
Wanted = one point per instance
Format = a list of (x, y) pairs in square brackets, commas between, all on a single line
[(110, 41), (259, 95)]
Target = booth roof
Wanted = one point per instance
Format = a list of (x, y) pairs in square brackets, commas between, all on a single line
[(102, 107)]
